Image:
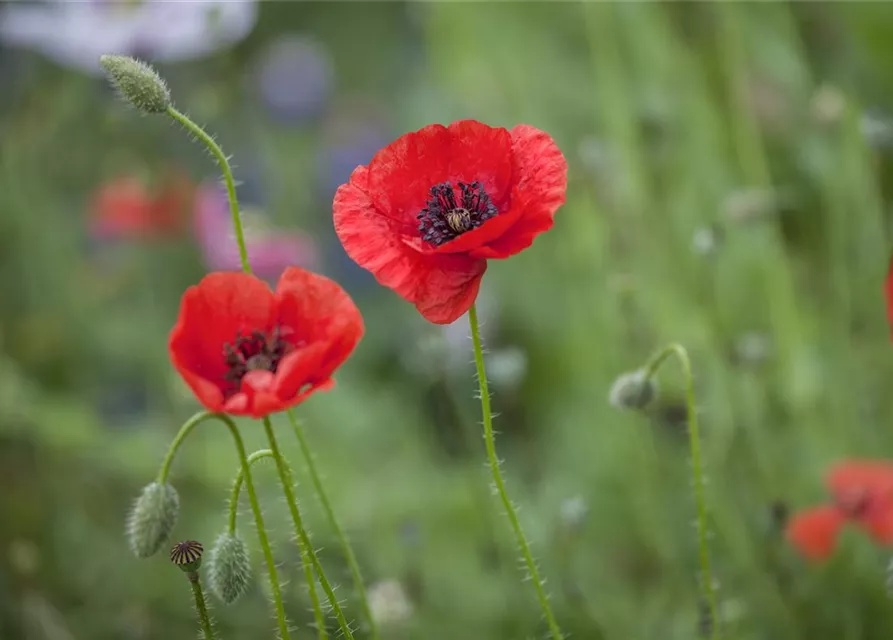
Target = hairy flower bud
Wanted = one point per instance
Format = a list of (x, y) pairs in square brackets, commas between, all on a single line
[(632, 391), (137, 83), (152, 519), (229, 568)]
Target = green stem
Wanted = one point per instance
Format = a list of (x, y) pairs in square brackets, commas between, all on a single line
[(215, 149), (237, 486), (189, 425), (697, 471), (510, 511), (304, 544), (346, 549), (202, 608)]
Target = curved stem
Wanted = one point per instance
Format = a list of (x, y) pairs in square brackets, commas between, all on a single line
[(201, 607), (499, 483), (187, 427), (237, 486), (304, 544), (697, 471), (218, 154), (333, 522)]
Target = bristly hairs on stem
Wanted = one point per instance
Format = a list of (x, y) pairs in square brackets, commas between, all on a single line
[(163, 472), (707, 586), (499, 484), (187, 555), (305, 546), (346, 548)]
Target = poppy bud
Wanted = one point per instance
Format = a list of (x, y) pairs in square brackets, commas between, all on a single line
[(187, 555), (229, 567), (152, 518), (137, 83), (632, 391)]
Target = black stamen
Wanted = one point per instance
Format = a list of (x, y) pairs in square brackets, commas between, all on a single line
[(443, 219), (257, 351)]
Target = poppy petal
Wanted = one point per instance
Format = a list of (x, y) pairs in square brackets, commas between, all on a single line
[(442, 286), (208, 393), (315, 307), (872, 477), (212, 314), (401, 174), (814, 531), (878, 522), (541, 174), (258, 386), (480, 153)]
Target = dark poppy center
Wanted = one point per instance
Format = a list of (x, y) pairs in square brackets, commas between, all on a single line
[(257, 351), (446, 217)]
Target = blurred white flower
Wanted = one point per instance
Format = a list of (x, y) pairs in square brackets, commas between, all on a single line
[(75, 34), (507, 367), (389, 603)]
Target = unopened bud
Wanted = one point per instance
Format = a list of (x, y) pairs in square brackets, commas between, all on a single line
[(137, 83), (229, 567), (152, 519), (187, 555), (632, 391)]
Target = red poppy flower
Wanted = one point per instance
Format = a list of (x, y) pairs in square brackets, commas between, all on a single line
[(125, 209), (246, 350), (862, 493), (431, 208)]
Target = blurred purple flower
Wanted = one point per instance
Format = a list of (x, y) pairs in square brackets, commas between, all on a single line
[(295, 78), (338, 159), (270, 250), (75, 34)]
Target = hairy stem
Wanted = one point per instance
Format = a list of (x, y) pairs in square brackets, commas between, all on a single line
[(304, 544), (202, 608), (336, 526), (218, 154), (708, 592), (499, 483), (237, 486), (187, 427)]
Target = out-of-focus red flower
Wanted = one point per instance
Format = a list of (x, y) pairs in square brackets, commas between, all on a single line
[(246, 350), (862, 493), (125, 209), (431, 208)]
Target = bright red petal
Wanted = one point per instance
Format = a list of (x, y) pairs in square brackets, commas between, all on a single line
[(878, 522), (212, 314), (541, 182), (871, 477), (442, 286), (814, 531), (401, 174), (480, 153)]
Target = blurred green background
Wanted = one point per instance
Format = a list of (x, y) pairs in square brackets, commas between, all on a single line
[(730, 187)]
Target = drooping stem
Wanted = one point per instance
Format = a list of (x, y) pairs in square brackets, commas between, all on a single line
[(237, 486), (187, 427), (333, 522), (499, 483), (218, 154), (708, 592), (308, 554), (201, 607)]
